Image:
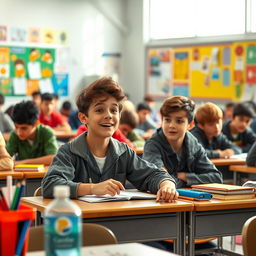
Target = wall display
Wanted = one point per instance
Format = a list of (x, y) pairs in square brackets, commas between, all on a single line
[(27, 69), (224, 71)]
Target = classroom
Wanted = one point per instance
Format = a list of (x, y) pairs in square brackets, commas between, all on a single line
[(128, 127)]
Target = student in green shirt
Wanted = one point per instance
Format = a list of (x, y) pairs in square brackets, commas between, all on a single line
[(31, 142)]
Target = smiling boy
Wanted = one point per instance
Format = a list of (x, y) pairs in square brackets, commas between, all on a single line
[(175, 149), (94, 162), (33, 143)]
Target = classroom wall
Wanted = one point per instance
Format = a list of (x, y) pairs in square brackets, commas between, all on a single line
[(94, 27)]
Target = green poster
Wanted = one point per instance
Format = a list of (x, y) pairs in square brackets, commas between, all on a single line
[(251, 55)]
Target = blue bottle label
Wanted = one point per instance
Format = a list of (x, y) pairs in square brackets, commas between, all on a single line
[(62, 235)]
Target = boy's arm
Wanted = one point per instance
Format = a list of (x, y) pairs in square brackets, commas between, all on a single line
[(225, 143), (204, 171), (249, 139), (47, 160), (251, 156), (12, 143)]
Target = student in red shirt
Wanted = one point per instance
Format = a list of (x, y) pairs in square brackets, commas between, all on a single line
[(49, 116)]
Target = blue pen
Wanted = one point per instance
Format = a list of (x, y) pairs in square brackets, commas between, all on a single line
[(22, 187), (22, 237)]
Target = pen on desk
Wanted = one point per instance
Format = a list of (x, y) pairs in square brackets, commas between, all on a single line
[(9, 190)]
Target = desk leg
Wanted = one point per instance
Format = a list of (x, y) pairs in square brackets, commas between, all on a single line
[(179, 242), (235, 178), (191, 234)]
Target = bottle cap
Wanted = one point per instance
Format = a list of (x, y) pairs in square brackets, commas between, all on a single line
[(61, 191)]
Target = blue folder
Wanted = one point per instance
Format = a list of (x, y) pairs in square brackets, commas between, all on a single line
[(194, 194)]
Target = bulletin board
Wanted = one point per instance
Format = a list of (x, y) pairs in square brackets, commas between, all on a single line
[(224, 71), (27, 69)]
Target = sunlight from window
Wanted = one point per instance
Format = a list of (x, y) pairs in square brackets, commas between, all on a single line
[(190, 18)]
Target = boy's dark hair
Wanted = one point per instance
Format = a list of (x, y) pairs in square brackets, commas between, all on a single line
[(177, 103), (143, 106), (105, 86), (47, 96), (243, 109), (25, 112), (2, 99), (35, 93), (230, 105), (208, 113), (130, 118), (148, 98), (66, 105), (55, 96)]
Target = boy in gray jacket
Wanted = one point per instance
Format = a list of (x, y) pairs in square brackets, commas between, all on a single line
[(174, 148), (94, 162)]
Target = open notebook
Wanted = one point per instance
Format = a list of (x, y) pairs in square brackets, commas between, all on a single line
[(123, 196)]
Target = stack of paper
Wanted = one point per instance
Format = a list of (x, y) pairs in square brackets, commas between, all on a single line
[(226, 192)]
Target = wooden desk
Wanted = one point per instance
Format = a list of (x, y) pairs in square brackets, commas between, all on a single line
[(218, 218), (130, 249), (15, 175), (236, 169), (135, 220), (64, 135), (227, 161)]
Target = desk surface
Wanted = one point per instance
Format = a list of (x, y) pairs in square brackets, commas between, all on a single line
[(121, 208), (129, 249), (64, 135), (227, 161), (242, 168), (15, 175), (213, 204)]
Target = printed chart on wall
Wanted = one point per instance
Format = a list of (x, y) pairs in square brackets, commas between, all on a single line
[(223, 71), (159, 72), (27, 69)]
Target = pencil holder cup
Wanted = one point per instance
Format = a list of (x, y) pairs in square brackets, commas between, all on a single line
[(11, 223)]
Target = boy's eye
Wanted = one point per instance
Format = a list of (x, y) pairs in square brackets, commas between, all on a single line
[(114, 110), (167, 120), (180, 121), (99, 110)]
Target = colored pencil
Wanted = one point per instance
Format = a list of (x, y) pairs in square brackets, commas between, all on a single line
[(22, 237), (15, 197), (22, 187)]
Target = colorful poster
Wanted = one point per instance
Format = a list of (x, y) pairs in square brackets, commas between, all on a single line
[(18, 34), (62, 37), (60, 84), (181, 66), (3, 33), (226, 56), (49, 36), (251, 55), (251, 74), (34, 35)]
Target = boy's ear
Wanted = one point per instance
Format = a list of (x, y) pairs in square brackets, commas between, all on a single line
[(82, 117), (191, 125), (200, 126)]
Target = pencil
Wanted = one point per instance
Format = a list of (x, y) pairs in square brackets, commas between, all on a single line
[(21, 190), (15, 197)]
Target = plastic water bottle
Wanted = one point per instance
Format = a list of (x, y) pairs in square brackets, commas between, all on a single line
[(62, 225)]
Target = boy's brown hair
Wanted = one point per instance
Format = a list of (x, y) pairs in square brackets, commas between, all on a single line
[(208, 113), (177, 103), (130, 118), (105, 86)]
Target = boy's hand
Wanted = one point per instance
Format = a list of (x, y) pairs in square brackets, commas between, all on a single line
[(182, 176), (111, 187), (226, 153), (167, 192)]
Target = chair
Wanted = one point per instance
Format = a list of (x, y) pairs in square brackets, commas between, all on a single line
[(249, 237), (93, 234), (38, 192)]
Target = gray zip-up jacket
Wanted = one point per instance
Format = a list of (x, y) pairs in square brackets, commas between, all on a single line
[(75, 164), (193, 159), (251, 156), (218, 142)]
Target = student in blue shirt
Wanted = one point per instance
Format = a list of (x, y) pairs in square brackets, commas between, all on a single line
[(94, 162), (174, 148)]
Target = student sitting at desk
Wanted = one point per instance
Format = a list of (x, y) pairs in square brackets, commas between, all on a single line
[(6, 162), (237, 129), (94, 162), (49, 116), (251, 156), (33, 143), (174, 148), (208, 132)]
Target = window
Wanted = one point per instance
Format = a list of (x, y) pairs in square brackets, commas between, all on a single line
[(200, 18)]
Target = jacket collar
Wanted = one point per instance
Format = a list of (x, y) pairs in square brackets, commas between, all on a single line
[(79, 147)]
